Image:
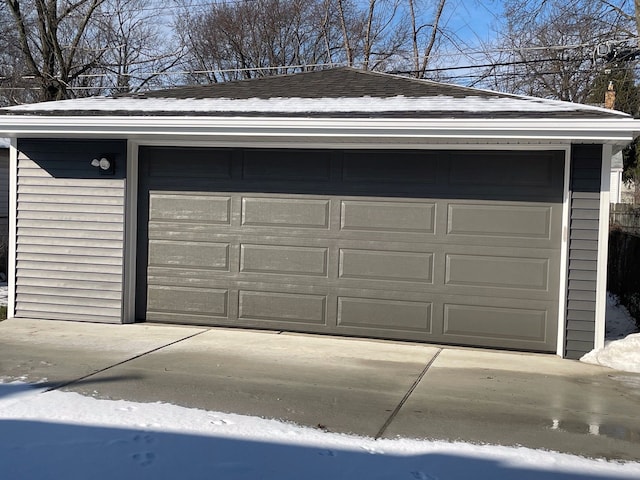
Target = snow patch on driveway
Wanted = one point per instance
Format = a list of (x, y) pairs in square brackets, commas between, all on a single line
[(622, 344)]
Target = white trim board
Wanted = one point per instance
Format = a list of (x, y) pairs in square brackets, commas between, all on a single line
[(130, 235), (13, 204), (603, 247), (564, 254)]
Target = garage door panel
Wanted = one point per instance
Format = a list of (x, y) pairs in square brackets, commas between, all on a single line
[(497, 271), (385, 216), (195, 163), (291, 165), (285, 212), (385, 167), (192, 208), (500, 220), (203, 255), (284, 259), (430, 246), (386, 265), (194, 301), (507, 170), (282, 307), (396, 315), (495, 323)]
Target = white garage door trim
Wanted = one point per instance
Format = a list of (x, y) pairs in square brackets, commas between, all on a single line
[(131, 226)]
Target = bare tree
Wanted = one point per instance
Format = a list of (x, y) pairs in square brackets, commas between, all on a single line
[(229, 40), (70, 48), (546, 47), (140, 51), (13, 87), (264, 37), (55, 42), (423, 37)]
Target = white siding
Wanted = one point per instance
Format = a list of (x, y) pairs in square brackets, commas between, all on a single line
[(70, 231)]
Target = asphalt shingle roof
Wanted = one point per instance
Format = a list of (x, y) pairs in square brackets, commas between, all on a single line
[(332, 83)]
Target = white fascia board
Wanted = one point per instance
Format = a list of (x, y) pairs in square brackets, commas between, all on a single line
[(611, 131)]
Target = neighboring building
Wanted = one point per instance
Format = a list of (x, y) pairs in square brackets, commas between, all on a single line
[(340, 202), (615, 195)]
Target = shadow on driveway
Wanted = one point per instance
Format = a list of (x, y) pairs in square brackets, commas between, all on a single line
[(38, 450)]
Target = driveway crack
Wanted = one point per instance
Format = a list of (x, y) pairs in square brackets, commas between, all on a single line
[(84, 377), (406, 396)]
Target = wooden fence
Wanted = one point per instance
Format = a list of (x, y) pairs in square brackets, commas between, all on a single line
[(623, 270), (625, 217)]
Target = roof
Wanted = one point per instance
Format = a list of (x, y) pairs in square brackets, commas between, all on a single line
[(341, 92)]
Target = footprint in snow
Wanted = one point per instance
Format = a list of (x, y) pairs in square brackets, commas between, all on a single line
[(219, 421), (144, 438), (327, 453), (144, 459)]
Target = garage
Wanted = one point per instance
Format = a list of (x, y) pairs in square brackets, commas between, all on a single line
[(450, 246), (338, 201)]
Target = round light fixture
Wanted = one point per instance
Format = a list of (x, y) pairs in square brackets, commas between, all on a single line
[(104, 164)]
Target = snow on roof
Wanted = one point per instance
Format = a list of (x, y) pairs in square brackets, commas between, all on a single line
[(364, 104)]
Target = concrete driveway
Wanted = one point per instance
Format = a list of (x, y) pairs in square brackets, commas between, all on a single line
[(381, 389)]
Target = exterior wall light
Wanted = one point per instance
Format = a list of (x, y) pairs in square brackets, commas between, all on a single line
[(105, 164)]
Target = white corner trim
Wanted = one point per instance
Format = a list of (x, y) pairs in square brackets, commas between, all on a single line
[(603, 247), (564, 254), (13, 200), (130, 235)]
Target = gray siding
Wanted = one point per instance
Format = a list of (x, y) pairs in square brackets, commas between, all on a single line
[(70, 231), (586, 169)]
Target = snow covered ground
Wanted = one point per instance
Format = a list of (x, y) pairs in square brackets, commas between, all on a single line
[(54, 435), (622, 344)]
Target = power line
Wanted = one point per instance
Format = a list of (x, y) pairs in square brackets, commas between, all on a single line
[(316, 65)]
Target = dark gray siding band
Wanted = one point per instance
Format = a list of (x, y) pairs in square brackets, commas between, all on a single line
[(4, 207), (69, 231), (586, 171)]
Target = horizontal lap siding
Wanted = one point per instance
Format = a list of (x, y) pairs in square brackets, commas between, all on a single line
[(586, 169), (70, 231)]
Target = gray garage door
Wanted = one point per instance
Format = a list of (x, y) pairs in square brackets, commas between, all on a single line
[(452, 247)]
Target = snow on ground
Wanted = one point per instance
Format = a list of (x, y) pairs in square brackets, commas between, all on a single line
[(50, 435), (622, 345)]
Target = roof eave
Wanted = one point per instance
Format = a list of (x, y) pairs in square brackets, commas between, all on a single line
[(616, 131)]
